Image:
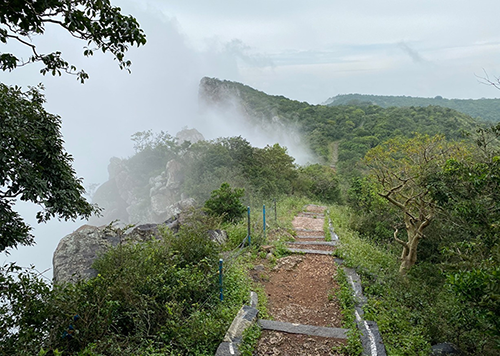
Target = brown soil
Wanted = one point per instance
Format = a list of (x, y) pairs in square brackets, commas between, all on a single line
[(315, 209), (283, 344), (300, 289), (302, 222)]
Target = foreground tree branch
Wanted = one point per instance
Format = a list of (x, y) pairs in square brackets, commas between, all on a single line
[(98, 23)]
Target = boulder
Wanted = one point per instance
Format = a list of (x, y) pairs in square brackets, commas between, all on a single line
[(191, 135), (445, 348), (218, 236), (76, 252)]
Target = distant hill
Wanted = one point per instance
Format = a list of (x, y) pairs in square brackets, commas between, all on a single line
[(486, 109), (340, 135)]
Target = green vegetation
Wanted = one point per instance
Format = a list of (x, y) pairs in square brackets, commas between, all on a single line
[(486, 109), (354, 129), (451, 292), (347, 304), (225, 202), (159, 297), (100, 25), (262, 173), (34, 166), (430, 173), (33, 163), (400, 168)]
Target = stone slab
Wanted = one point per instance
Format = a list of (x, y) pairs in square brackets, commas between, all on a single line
[(336, 333), (245, 317), (314, 252), (310, 237), (227, 349), (322, 243)]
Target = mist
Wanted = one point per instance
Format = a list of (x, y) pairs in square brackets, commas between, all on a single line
[(100, 116), (302, 51)]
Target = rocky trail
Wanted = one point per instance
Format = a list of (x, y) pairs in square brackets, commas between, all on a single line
[(301, 295)]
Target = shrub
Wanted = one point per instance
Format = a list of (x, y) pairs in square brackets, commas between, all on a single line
[(226, 202)]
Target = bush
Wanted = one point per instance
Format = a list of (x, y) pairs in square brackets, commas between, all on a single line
[(226, 203), (152, 298), (418, 310)]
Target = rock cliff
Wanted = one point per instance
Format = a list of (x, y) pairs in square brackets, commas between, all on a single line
[(125, 198)]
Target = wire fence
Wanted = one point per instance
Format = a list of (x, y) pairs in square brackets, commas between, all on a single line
[(229, 260)]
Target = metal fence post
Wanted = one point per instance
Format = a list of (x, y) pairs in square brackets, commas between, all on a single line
[(221, 294), (264, 220), (248, 226)]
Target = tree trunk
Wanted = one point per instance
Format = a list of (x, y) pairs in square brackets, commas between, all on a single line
[(409, 254)]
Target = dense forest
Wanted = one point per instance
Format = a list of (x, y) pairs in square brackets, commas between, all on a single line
[(486, 109), (341, 133)]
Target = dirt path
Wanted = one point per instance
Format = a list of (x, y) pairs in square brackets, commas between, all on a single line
[(300, 290)]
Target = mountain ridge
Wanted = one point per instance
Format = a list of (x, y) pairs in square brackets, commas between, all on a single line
[(486, 109)]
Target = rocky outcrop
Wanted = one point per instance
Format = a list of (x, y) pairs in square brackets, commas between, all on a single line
[(77, 251), (189, 135), (130, 200)]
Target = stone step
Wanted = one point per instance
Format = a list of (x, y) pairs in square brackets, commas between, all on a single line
[(336, 333), (310, 237), (322, 243), (307, 230), (307, 214), (314, 252)]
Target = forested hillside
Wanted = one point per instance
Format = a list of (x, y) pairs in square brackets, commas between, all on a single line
[(340, 134), (486, 109)]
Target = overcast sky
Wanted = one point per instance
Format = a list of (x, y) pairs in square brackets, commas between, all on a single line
[(304, 50)]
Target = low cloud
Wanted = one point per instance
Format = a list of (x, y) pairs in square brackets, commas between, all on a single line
[(412, 53)]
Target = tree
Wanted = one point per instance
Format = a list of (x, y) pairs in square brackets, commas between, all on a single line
[(97, 22), (400, 166), (226, 202), (318, 182), (33, 163), (274, 171), (468, 192), (34, 166)]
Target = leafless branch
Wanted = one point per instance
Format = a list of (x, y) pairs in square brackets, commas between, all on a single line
[(405, 244)]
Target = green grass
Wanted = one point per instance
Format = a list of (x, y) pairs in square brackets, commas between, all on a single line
[(347, 303), (391, 298)]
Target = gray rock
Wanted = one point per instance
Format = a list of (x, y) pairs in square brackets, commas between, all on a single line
[(218, 236), (191, 135), (76, 252), (445, 348), (174, 174)]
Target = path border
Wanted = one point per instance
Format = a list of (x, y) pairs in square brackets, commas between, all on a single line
[(371, 339)]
